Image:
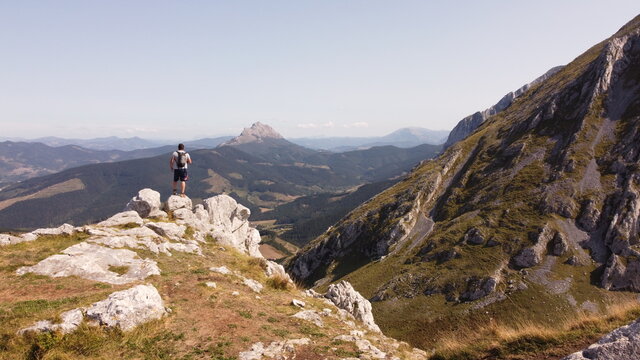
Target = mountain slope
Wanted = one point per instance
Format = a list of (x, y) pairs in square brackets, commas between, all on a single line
[(87, 193), (530, 219), (22, 160)]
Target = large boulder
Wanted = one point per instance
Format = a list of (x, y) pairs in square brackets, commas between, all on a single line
[(95, 262), (230, 222), (146, 203), (128, 308), (622, 343), (122, 218), (176, 202), (344, 296)]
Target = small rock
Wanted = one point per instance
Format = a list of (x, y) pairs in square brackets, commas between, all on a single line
[(311, 316), (211, 284), (298, 303), (221, 269), (253, 285), (70, 321), (235, 293)]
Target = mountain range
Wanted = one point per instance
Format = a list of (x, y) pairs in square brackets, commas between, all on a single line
[(22, 160), (262, 174), (529, 221)]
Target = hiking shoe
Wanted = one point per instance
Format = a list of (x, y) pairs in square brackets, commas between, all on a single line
[(175, 192)]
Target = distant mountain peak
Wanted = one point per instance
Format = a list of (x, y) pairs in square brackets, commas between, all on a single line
[(258, 132)]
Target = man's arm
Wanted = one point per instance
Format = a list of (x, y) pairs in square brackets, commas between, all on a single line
[(171, 160), (189, 159)]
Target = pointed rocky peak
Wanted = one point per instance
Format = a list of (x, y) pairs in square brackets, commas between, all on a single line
[(258, 132)]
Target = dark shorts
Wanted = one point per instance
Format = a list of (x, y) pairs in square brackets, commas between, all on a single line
[(180, 174)]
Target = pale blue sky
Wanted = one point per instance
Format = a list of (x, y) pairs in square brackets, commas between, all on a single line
[(189, 69)]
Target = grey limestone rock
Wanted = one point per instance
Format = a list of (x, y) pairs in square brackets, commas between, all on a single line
[(253, 285), (622, 343), (70, 321), (589, 216), (344, 296), (176, 202), (128, 308), (311, 316), (275, 350), (478, 288), (64, 229), (618, 276), (90, 261), (170, 230), (146, 203), (532, 256), (558, 246), (123, 218), (230, 222)]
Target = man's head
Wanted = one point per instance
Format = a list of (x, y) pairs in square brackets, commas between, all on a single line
[(180, 146)]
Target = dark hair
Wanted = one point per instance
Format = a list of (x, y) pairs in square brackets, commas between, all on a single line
[(180, 146)]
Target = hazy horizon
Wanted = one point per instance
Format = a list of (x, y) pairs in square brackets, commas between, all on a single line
[(161, 70)]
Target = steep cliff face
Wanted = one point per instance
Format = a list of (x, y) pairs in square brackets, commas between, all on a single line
[(540, 202)]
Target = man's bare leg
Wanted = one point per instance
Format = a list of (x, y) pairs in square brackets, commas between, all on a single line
[(183, 187), (175, 186)]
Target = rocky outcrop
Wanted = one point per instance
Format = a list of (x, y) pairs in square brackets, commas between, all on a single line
[(94, 262), (128, 308), (468, 125), (478, 288), (622, 343), (345, 297), (124, 309), (230, 224), (532, 256)]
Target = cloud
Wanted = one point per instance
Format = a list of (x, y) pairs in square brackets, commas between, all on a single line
[(329, 124), (360, 124)]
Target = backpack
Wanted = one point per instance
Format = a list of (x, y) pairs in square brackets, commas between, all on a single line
[(182, 159)]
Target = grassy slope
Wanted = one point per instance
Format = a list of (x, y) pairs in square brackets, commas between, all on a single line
[(205, 323)]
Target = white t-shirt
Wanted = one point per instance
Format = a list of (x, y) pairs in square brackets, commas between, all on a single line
[(186, 159)]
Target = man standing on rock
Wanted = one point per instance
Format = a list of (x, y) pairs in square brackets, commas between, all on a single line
[(180, 159)]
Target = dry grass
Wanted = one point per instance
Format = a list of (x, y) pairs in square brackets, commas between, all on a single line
[(280, 282), (526, 339)]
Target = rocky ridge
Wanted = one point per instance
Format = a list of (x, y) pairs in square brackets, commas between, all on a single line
[(130, 250), (540, 202), (470, 123)]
